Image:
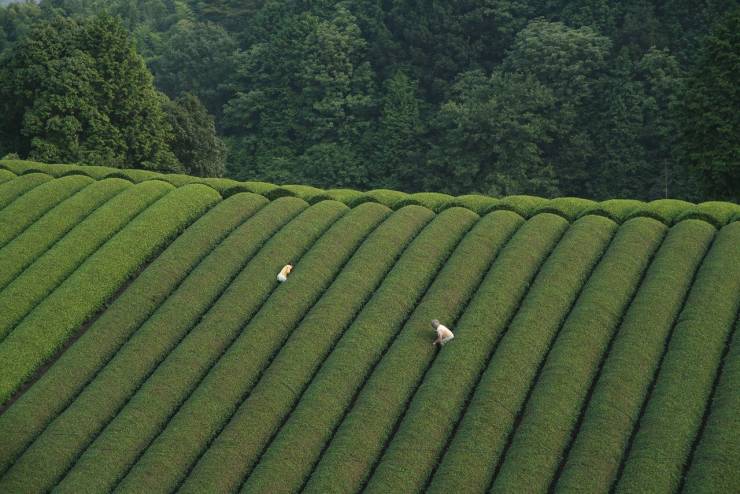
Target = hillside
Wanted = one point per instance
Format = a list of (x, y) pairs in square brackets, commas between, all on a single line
[(146, 345)]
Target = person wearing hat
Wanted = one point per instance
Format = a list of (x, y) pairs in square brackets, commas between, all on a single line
[(443, 333), (283, 274)]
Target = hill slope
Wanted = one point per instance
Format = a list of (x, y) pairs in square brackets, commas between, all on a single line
[(146, 346)]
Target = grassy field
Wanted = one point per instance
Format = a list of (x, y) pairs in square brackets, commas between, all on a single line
[(147, 346)]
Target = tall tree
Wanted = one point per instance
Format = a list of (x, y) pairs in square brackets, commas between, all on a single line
[(198, 58), (491, 136), (194, 141), (79, 92), (711, 120), (308, 85)]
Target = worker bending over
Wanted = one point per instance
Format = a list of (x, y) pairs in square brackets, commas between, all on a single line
[(443, 333), (283, 274)]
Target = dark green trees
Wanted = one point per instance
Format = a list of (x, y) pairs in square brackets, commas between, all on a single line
[(194, 140), (711, 116), (78, 92)]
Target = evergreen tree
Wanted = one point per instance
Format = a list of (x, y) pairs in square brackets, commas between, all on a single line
[(711, 120), (78, 92), (194, 141)]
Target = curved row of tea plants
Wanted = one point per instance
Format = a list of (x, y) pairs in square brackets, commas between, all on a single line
[(146, 345), (668, 211)]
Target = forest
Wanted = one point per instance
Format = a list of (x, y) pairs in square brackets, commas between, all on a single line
[(591, 98)]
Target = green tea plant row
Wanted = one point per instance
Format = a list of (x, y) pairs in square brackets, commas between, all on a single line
[(365, 430), (622, 386), (112, 387), (39, 237), (190, 362), (484, 430), (48, 326), (329, 315), (552, 410), (362, 344), (421, 436), (668, 211), (41, 278), (81, 363), (714, 467), (32, 205), (6, 175), (675, 410), (239, 429), (12, 189)]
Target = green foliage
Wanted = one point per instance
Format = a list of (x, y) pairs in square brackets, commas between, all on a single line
[(16, 187), (624, 381), (79, 365), (285, 348), (181, 373), (47, 272), (491, 136), (194, 141), (31, 206), (484, 429), (44, 330), (18, 254), (205, 373), (552, 410), (674, 414), (713, 464), (710, 123), (79, 92), (196, 58), (411, 456), (364, 432)]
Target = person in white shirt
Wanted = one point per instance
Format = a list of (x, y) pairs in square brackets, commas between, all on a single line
[(283, 274), (443, 333)]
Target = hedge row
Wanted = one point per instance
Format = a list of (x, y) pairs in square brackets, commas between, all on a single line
[(42, 277), (148, 412), (18, 254), (412, 455), (668, 211), (250, 347), (31, 206), (261, 409), (716, 461), (100, 401), (488, 234), (319, 411), (550, 415), (393, 300), (614, 407), (483, 431), (12, 189), (6, 175), (47, 327), (672, 417), (77, 367), (369, 424)]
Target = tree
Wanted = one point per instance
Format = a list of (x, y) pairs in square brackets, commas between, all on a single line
[(79, 92), (572, 65), (198, 58), (194, 140), (491, 135), (396, 147), (308, 85), (710, 118)]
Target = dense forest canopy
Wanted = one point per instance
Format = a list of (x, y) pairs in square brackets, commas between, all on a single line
[(589, 98)]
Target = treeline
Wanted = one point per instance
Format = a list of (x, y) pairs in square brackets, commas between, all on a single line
[(588, 98)]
